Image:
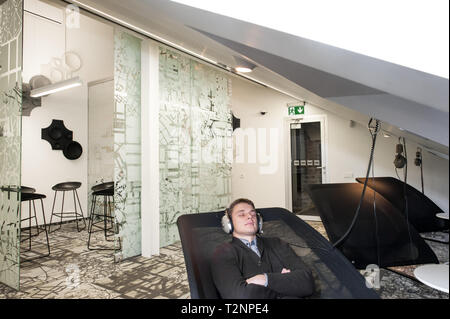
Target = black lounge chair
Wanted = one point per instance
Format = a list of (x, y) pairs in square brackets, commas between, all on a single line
[(335, 276), (383, 238), (421, 210)]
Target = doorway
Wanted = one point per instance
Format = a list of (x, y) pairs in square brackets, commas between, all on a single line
[(306, 163)]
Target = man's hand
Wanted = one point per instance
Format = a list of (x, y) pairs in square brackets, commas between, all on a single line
[(257, 280), (261, 279)]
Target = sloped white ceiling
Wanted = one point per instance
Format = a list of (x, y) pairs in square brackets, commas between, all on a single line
[(351, 84)]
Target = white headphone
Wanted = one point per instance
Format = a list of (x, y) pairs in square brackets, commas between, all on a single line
[(227, 222)]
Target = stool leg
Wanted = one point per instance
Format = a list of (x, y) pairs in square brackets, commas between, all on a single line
[(91, 213), (45, 227), (91, 219), (108, 209), (105, 218), (81, 209), (91, 222), (110, 218), (62, 210), (35, 218), (51, 216), (29, 224), (75, 206)]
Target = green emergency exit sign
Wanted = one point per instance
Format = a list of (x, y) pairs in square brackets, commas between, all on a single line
[(296, 110)]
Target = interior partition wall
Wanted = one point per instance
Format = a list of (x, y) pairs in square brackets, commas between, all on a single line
[(127, 143), (11, 17), (195, 140)]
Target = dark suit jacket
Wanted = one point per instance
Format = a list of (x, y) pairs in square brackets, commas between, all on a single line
[(234, 262)]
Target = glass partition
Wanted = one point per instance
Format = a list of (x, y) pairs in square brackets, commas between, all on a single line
[(127, 143), (11, 14), (195, 140), (100, 141)]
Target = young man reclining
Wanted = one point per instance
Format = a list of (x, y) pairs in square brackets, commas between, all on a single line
[(255, 267)]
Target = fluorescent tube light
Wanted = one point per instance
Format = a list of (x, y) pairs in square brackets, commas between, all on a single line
[(56, 87)]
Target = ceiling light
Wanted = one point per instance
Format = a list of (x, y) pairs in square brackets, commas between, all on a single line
[(243, 69), (56, 87), (243, 65)]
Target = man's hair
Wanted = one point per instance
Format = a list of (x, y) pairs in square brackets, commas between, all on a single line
[(239, 201)]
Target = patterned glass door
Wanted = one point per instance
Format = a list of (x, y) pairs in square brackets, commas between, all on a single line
[(306, 165), (127, 144), (11, 14)]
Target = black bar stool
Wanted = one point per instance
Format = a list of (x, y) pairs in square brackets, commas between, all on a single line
[(101, 221), (67, 187), (29, 194)]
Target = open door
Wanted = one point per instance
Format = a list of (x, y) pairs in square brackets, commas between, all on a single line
[(307, 164), (11, 17)]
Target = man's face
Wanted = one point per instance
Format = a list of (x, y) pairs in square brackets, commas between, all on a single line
[(244, 220)]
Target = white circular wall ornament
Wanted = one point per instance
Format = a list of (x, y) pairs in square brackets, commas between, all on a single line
[(72, 61)]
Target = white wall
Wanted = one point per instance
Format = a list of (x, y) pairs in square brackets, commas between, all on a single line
[(348, 151), (247, 101), (43, 167)]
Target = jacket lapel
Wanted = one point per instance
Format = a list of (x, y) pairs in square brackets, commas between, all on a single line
[(260, 244)]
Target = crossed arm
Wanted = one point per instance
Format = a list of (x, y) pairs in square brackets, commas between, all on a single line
[(293, 279), (230, 282)]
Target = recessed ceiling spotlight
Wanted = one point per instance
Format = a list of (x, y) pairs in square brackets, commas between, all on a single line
[(243, 65), (243, 69)]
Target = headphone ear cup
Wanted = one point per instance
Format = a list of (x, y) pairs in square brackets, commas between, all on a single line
[(400, 161), (227, 224), (260, 223)]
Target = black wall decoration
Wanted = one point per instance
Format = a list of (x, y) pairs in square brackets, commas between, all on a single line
[(72, 150), (60, 138), (236, 123)]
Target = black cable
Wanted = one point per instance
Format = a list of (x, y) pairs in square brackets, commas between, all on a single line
[(398, 176), (421, 174), (374, 138), (405, 196), (375, 216), (419, 162)]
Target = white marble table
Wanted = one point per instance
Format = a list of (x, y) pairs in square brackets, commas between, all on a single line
[(442, 215), (433, 275)]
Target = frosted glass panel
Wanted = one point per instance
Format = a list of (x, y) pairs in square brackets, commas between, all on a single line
[(195, 140), (127, 142), (101, 138), (10, 139)]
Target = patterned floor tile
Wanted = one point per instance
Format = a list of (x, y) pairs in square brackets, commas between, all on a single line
[(73, 271)]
